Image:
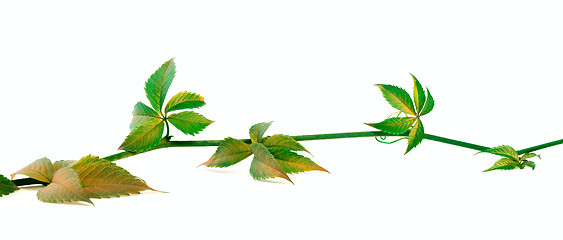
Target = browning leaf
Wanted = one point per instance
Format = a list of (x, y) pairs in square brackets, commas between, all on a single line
[(65, 187), (41, 169), (292, 162), (230, 152), (264, 165), (283, 141)]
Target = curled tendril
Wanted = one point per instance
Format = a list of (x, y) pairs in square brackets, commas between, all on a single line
[(381, 139)]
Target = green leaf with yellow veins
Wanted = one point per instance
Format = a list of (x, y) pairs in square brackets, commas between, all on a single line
[(184, 100), (504, 151), (397, 98), (189, 122), (529, 164), (429, 105), (142, 114), (6, 186), (419, 96), (395, 125), (144, 137), (264, 165), (292, 162), (41, 169), (504, 164), (157, 85), (257, 131), (415, 136), (230, 152), (283, 141), (66, 187), (529, 155), (103, 179)]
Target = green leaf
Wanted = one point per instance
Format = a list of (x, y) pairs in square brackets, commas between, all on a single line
[(65, 187), (41, 169), (184, 100), (6, 186), (419, 96), (415, 136), (504, 164), (398, 98), (529, 155), (529, 164), (429, 105), (144, 137), (291, 162), (230, 152), (283, 141), (395, 125), (264, 165), (503, 150), (103, 179), (189, 122), (142, 114), (257, 131), (159, 82), (63, 163)]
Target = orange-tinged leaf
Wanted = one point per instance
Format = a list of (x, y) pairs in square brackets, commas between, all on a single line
[(230, 152), (257, 131), (283, 141), (41, 169), (65, 187), (264, 165), (103, 179), (292, 162), (63, 163)]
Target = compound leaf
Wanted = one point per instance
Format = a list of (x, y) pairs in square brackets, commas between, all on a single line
[(395, 125), (415, 136), (283, 141), (419, 97), (504, 164), (142, 114), (144, 137), (264, 165), (230, 152), (157, 85), (529, 164), (429, 105), (184, 100), (503, 150), (6, 186), (41, 169), (257, 131), (66, 187), (398, 98), (291, 162), (189, 122), (103, 179)]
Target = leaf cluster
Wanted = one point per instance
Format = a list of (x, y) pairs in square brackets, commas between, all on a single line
[(274, 156), (72, 181), (399, 99), (148, 124), (511, 159)]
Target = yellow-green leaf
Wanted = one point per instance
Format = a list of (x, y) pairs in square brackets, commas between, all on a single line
[(230, 152), (257, 131), (159, 82), (429, 105), (264, 165), (283, 141), (395, 125), (142, 114), (291, 162), (419, 97), (144, 137), (397, 98), (6, 186), (184, 100), (529, 164), (529, 155), (189, 122), (415, 136), (41, 169), (504, 164), (103, 179), (65, 187), (503, 150)]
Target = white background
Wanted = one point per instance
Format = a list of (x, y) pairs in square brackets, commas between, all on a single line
[(72, 72)]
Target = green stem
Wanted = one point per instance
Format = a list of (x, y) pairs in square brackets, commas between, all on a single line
[(539, 147)]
